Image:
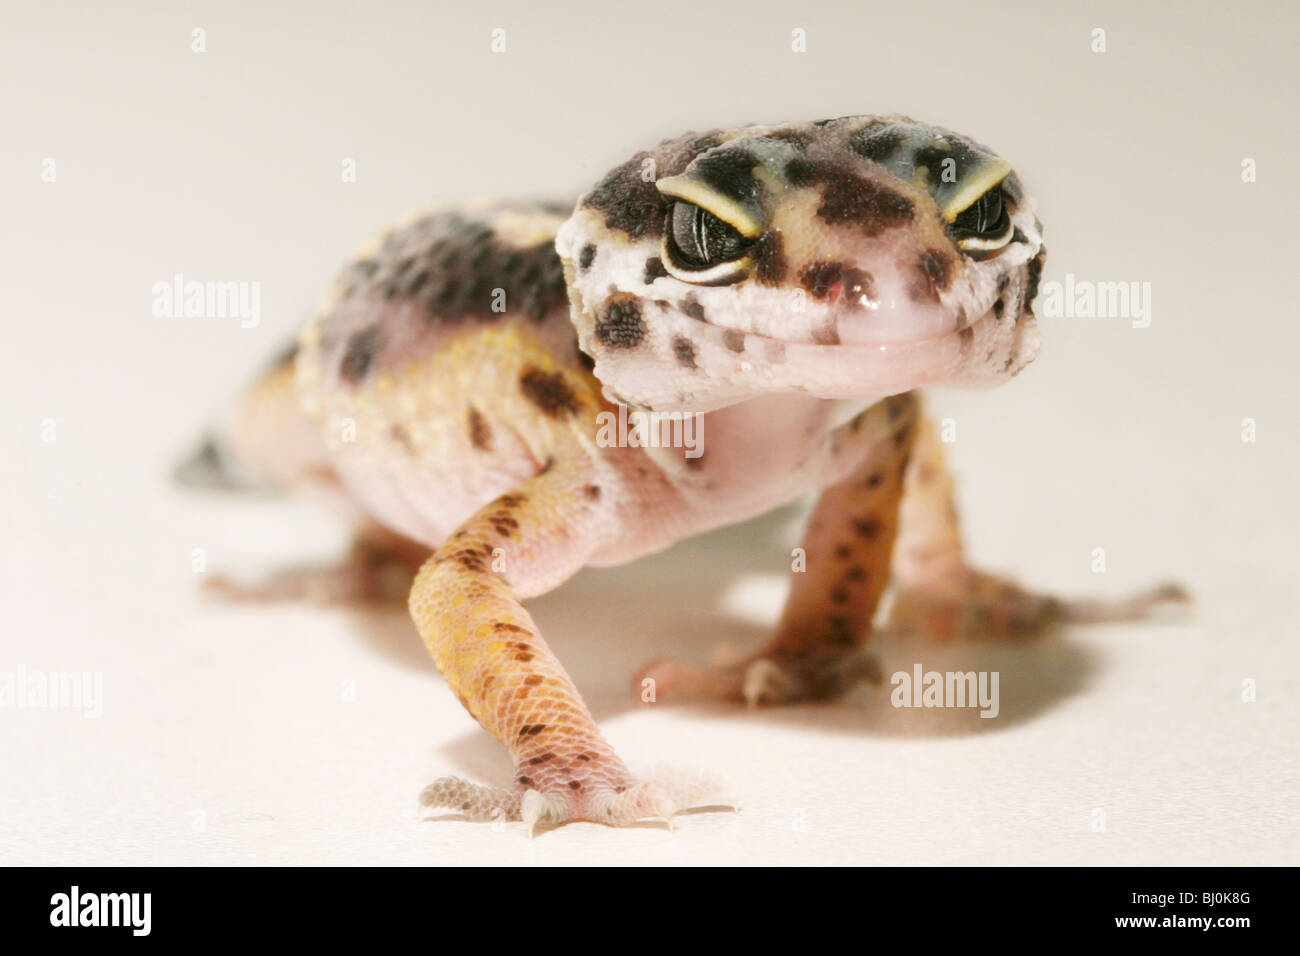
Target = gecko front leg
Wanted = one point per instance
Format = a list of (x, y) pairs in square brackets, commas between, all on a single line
[(818, 651), (466, 605)]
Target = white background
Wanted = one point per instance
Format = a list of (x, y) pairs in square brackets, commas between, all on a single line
[(225, 737)]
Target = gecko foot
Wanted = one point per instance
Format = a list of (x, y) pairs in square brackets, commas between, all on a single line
[(594, 801), (765, 679), (981, 606), (369, 574)]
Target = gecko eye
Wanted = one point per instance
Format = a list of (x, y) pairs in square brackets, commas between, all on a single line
[(984, 225), (701, 248)]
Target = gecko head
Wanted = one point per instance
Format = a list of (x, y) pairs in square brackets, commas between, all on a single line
[(850, 258)]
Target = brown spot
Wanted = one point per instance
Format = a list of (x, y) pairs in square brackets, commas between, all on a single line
[(574, 785), (399, 434), (843, 551), (532, 680), (507, 626), (513, 500), (693, 308), (874, 479), (1035, 270), (734, 340), (827, 334), (868, 527), (855, 573), (850, 198), (840, 595), (965, 337), (654, 269), (849, 284), (619, 325), (542, 759), (587, 256), (504, 525), (359, 355), (480, 432), (549, 392), (684, 349), (524, 656), (770, 264)]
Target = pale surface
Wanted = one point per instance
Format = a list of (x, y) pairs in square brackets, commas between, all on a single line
[(225, 735)]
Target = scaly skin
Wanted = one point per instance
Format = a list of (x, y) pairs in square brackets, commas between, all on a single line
[(453, 393)]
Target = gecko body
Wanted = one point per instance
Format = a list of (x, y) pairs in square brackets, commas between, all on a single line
[(787, 288)]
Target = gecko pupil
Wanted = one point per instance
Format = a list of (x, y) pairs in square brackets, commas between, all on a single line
[(700, 239), (985, 218)]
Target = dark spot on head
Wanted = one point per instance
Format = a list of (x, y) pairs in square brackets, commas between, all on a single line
[(730, 173), (998, 306), (1035, 270), (685, 351), (587, 256), (654, 269), (843, 551), (938, 268), (734, 340), (840, 595), (850, 198), (359, 354), (855, 573), (592, 491), (797, 138), (769, 258), (549, 392), (619, 324), (875, 141), (693, 309), (818, 278), (964, 338), (630, 204), (574, 785), (480, 432)]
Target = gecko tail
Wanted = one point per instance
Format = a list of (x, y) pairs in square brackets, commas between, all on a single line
[(211, 466), (252, 444)]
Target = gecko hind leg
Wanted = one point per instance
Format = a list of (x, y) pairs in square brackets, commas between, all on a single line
[(937, 594), (376, 570)]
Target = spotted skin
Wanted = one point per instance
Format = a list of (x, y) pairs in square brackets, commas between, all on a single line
[(451, 394)]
